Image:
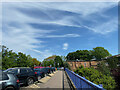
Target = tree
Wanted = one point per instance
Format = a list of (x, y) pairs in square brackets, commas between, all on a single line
[(51, 57), (58, 60), (97, 77), (113, 62), (51, 62), (66, 65), (103, 68), (36, 62), (100, 52), (22, 60), (48, 63), (11, 59), (8, 58), (30, 61), (45, 63), (80, 55), (63, 58)]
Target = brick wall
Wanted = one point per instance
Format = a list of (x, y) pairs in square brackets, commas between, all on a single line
[(76, 64)]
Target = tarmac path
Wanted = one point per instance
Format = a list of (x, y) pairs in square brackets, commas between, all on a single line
[(55, 81)]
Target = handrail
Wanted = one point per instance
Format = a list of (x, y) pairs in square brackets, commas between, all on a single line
[(79, 81), (87, 81)]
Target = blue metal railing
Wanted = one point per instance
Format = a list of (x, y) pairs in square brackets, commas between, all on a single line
[(81, 82)]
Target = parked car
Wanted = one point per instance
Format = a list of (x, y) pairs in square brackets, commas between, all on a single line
[(45, 71), (26, 75), (8, 81), (38, 67), (48, 70), (53, 69), (39, 72)]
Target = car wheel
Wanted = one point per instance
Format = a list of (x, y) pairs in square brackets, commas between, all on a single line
[(39, 77), (10, 88), (30, 81)]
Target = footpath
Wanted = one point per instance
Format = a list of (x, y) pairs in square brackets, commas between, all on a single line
[(56, 80)]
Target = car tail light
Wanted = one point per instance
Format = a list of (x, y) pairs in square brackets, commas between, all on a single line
[(35, 72), (17, 81)]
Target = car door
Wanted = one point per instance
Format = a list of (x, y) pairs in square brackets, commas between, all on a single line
[(31, 72), (0, 80), (22, 75), (3, 80)]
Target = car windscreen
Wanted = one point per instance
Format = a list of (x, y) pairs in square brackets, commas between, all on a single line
[(7, 70), (3, 76), (12, 70)]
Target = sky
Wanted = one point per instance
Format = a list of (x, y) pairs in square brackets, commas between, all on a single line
[(57, 28)]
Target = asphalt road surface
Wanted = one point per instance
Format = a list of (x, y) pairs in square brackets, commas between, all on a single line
[(56, 81)]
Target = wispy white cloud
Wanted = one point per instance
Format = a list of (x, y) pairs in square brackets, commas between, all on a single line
[(20, 36), (105, 27), (84, 8), (62, 36), (65, 46), (43, 54)]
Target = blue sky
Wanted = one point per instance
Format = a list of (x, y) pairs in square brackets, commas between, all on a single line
[(45, 29)]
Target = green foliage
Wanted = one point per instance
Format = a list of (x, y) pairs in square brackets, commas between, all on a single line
[(63, 58), (51, 62), (11, 59), (58, 60), (100, 52), (112, 62), (50, 58), (66, 65), (36, 62), (96, 77), (48, 63), (80, 55), (103, 68)]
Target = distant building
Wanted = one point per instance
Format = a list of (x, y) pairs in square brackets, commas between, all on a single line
[(93, 63), (75, 64)]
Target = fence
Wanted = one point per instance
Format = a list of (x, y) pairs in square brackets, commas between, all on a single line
[(82, 83)]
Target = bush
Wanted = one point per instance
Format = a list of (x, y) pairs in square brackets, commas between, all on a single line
[(66, 65), (96, 77)]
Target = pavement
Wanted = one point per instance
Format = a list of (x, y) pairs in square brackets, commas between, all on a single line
[(52, 81), (66, 84)]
